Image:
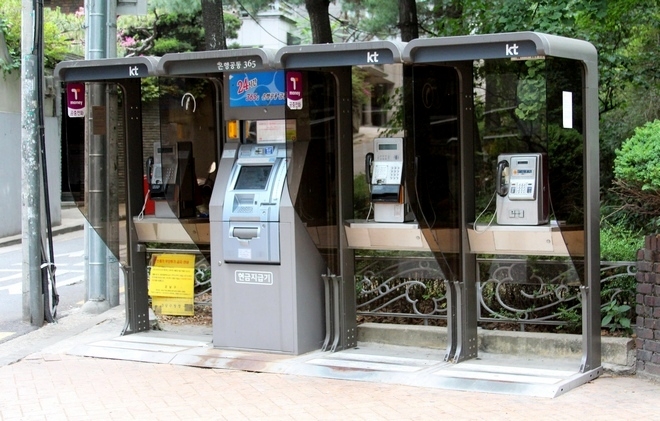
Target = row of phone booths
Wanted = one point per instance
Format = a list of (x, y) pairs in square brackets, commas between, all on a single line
[(251, 160)]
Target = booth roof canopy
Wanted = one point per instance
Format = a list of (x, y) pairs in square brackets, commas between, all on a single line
[(334, 55), (505, 45), (217, 61), (106, 69), (426, 50)]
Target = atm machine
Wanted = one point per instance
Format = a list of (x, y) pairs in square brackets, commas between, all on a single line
[(268, 293)]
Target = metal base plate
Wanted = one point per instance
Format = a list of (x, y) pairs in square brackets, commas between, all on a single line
[(423, 367)]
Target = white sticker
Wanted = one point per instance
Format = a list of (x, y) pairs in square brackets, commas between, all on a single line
[(253, 277), (245, 253), (567, 106)]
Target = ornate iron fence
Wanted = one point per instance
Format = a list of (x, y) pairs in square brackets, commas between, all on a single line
[(202, 283), (411, 287), (522, 291)]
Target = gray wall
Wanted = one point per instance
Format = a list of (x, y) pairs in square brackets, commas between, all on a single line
[(10, 158)]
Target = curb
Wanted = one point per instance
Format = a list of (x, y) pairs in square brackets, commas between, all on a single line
[(617, 354), (18, 239)]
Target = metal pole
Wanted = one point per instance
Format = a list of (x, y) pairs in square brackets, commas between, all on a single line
[(97, 193), (112, 164), (33, 307)]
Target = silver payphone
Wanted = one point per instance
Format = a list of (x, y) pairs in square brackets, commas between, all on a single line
[(384, 171), (172, 181), (251, 213), (161, 169), (522, 189)]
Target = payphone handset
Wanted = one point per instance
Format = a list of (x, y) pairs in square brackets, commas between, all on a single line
[(162, 169), (384, 171), (522, 189)]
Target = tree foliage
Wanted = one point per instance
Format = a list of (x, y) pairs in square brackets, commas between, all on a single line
[(60, 33), (638, 160), (637, 176), (169, 28)]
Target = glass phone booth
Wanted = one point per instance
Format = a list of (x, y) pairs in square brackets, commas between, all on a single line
[(505, 153)]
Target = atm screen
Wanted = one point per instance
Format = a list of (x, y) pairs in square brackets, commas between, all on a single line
[(253, 177)]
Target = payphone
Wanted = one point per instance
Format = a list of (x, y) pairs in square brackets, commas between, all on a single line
[(522, 189), (384, 171), (161, 168), (171, 179)]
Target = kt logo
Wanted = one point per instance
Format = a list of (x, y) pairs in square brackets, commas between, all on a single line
[(133, 71), (372, 57), (512, 50)]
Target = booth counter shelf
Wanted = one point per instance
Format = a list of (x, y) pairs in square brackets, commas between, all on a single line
[(170, 230), (543, 240), (372, 235)]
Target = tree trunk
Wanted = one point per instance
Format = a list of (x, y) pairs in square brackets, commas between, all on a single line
[(408, 20), (214, 25), (319, 20)]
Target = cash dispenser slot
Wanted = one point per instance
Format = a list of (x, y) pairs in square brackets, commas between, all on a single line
[(388, 193), (244, 233)]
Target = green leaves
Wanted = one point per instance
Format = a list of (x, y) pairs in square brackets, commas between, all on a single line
[(638, 160), (615, 316)]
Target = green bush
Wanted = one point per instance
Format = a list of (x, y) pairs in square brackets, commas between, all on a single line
[(638, 160), (619, 244)]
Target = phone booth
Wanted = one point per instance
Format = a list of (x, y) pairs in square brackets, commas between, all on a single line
[(492, 183), (266, 266), (504, 154), (81, 81), (324, 196)]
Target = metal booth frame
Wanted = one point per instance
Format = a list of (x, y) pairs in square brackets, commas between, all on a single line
[(126, 73), (462, 51)]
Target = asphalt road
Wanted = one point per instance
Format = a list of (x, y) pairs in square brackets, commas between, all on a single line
[(70, 264)]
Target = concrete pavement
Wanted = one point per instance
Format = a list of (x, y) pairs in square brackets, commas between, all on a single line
[(40, 379)]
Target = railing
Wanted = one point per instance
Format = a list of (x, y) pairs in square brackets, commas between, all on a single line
[(202, 283), (395, 287), (519, 291), (514, 291)]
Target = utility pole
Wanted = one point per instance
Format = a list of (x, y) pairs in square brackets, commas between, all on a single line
[(97, 194), (33, 304), (112, 163)]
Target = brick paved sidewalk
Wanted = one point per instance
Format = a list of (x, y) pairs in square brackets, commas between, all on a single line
[(62, 387)]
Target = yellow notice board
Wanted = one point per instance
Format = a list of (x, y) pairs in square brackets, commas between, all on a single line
[(171, 282), (174, 260), (174, 306)]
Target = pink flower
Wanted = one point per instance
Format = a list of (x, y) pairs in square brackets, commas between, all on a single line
[(128, 42)]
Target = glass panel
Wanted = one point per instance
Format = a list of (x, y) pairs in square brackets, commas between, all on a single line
[(312, 168), (185, 155), (93, 168), (177, 130), (397, 279), (435, 163), (529, 187)]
